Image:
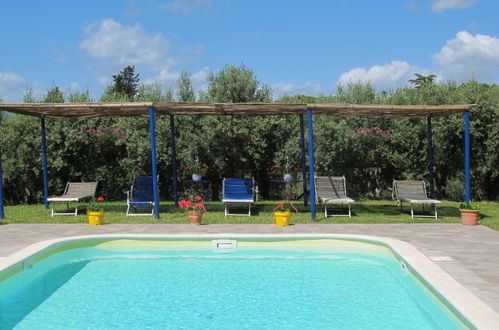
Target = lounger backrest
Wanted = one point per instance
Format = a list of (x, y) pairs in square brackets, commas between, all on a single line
[(142, 190), (409, 189), (333, 187), (80, 189), (238, 189)]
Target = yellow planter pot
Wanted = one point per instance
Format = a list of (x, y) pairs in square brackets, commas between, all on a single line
[(95, 218), (282, 218)]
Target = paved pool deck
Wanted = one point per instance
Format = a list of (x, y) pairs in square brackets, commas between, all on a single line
[(469, 254)]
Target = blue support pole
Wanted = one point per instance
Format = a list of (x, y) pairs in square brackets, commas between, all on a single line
[(430, 160), (303, 160), (311, 162), (153, 163), (44, 165), (2, 215), (174, 160), (467, 181)]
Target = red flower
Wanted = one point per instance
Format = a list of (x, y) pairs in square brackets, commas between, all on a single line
[(280, 205), (100, 199), (198, 198)]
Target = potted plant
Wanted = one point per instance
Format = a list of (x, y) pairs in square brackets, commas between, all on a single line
[(469, 213), (197, 170), (282, 214), (95, 212), (283, 172), (195, 209)]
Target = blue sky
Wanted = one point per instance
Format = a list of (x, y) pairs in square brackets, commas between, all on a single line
[(295, 46)]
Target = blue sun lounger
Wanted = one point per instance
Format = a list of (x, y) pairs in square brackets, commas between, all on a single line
[(238, 192), (140, 195)]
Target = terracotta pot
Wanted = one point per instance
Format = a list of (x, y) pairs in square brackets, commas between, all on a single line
[(469, 217), (195, 217)]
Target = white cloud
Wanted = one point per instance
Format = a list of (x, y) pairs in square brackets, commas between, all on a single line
[(126, 45), (468, 56), (382, 77), (74, 86), (169, 77), (12, 87), (104, 80), (308, 88), (185, 7), (438, 6), (201, 76)]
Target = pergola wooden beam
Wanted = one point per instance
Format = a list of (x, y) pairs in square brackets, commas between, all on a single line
[(132, 109)]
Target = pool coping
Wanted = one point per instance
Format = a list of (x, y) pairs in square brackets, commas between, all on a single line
[(463, 300)]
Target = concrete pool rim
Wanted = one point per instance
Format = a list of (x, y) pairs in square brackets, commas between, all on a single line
[(444, 286)]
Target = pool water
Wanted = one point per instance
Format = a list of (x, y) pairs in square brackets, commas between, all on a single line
[(161, 286)]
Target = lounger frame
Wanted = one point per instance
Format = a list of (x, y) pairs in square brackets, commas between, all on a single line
[(238, 192), (414, 192), (332, 190), (74, 192), (133, 204)]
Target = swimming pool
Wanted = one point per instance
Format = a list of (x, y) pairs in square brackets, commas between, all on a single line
[(285, 282)]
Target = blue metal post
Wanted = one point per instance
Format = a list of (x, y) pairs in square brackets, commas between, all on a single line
[(44, 165), (467, 184), (303, 160), (311, 162), (153, 163), (174, 160), (430, 159), (1, 187)]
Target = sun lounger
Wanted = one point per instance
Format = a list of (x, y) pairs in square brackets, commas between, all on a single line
[(73, 193), (140, 195), (413, 192), (332, 190), (238, 192)]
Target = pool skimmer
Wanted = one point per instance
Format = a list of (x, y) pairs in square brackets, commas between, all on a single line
[(224, 245)]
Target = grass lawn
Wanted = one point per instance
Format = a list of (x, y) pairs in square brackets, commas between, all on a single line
[(362, 212)]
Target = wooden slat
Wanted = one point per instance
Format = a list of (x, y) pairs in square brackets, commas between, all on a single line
[(131, 109)]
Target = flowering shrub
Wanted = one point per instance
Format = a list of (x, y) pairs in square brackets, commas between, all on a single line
[(196, 205), (96, 205), (372, 132), (103, 135)]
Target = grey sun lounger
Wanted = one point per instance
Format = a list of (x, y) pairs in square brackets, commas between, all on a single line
[(413, 192), (73, 193), (332, 190)]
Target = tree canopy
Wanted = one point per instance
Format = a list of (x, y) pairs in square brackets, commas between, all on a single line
[(126, 82)]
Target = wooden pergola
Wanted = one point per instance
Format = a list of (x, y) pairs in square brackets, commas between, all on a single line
[(137, 109)]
